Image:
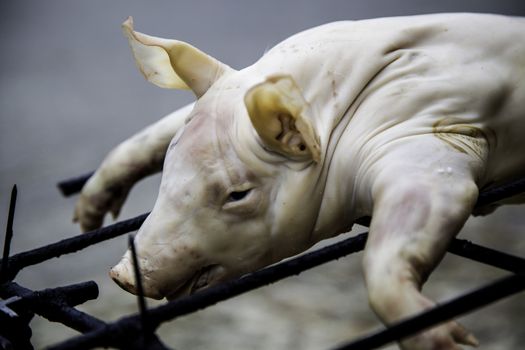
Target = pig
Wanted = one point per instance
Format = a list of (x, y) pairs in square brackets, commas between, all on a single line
[(402, 119)]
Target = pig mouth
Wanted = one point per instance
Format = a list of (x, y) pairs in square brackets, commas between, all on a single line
[(202, 279)]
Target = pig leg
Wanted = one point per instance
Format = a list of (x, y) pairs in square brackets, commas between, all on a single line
[(420, 202), (132, 160)]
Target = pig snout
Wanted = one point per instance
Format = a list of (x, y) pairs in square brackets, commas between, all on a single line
[(124, 276), (171, 287)]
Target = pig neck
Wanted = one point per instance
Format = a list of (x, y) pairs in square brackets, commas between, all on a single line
[(334, 75)]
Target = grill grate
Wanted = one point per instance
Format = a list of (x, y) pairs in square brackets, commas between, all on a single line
[(137, 331)]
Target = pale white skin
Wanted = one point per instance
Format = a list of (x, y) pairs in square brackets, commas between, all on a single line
[(404, 119)]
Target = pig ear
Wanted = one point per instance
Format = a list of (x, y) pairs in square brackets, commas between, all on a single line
[(278, 112), (173, 64)]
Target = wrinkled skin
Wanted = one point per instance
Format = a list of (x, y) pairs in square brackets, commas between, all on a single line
[(404, 119)]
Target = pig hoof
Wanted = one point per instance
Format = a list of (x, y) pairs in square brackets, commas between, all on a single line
[(87, 215), (445, 337), (96, 200)]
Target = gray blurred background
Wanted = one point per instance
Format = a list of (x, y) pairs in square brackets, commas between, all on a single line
[(69, 92)]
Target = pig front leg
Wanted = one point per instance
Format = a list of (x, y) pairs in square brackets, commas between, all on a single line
[(132, 160), (420, 202)]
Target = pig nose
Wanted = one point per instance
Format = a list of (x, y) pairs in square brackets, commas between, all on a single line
[(124, 276)]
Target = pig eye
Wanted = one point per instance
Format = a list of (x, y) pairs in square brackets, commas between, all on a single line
[(237, 195)]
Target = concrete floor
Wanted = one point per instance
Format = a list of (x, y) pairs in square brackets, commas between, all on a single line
[(69, 92)]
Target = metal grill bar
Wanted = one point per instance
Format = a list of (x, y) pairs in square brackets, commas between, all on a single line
[(56, 304), (73, 185), (501, 192), (487, 256), (144, 317), (8, 235), (71, 245)]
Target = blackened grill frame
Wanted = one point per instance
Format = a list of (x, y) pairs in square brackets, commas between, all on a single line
[(128, 332)]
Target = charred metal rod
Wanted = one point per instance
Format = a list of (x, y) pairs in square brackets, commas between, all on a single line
[(487, 256), (71, 295), (485, 197), (146, 338), (213, 295), (74, 185), (501, 192), (56, 304), (475, 252), (8, 235), (71, 245), (468, 302), (143, 310)]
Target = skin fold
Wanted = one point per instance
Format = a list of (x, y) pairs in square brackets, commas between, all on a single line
[(404, 119)]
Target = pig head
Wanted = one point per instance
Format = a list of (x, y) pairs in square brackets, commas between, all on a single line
[(240, 183)]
